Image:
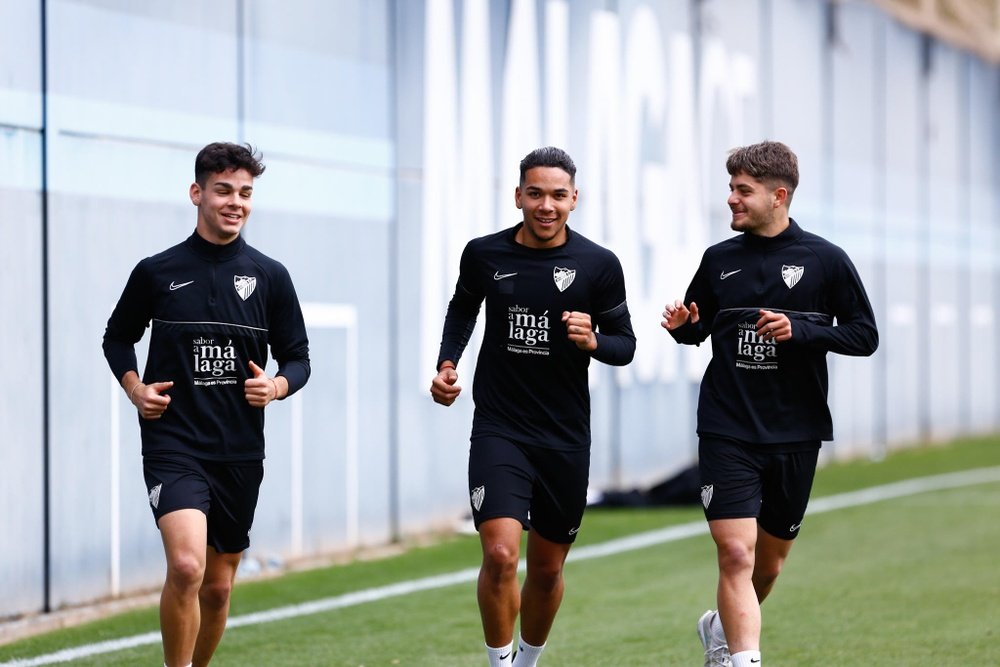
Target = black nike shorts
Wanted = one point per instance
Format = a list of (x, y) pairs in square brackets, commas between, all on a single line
[(768, 482), (225, 492), (544, 489)]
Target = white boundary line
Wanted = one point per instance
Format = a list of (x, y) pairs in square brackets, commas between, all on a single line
[(867, 496)]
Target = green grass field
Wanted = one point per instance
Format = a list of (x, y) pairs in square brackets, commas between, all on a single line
[(912, 580)]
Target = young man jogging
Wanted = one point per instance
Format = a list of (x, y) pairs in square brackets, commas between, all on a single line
[(775, 300), (554, 301), (214, 306)]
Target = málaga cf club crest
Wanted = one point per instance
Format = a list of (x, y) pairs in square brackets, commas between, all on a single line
[(245, 285), (478, 495), (791, 274), (563, 277)]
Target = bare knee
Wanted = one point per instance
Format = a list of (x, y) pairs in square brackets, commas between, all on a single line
[(499, 563), (765, 573), (545, 577), (185, 572), (767, 570), (216, 595), (735, 558)]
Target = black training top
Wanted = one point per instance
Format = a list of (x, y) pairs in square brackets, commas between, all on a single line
[(757, 390), (531, 380), (213, 309)]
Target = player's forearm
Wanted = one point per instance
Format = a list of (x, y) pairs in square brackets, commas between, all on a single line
[(459, 323), (121, 358), (293, 375), (614, 350), (689, 333), (858, 338)]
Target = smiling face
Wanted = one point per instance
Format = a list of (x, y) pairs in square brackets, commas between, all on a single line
[(224, 204), (546, 196), (756, 207)]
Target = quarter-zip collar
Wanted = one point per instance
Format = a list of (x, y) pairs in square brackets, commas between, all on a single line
[(790, 235), (512, 238), (212, 251)]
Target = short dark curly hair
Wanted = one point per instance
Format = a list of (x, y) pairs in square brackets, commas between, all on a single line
[(222, 156)]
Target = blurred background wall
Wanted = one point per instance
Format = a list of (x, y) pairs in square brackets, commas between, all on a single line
[(392, 130)]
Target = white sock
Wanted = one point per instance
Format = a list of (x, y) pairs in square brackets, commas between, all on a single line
[(527, 655), (746, 659), (500, 657)]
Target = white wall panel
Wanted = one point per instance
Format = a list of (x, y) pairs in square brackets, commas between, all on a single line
[(903, 327), (22, 523), (946, 298), (852, 205), (981, 207)]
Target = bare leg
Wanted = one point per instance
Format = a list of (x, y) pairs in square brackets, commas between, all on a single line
[(184, 535), (770, 557), (750, 560), (735, 541), (543, 588), (499, 598), (213, 598)]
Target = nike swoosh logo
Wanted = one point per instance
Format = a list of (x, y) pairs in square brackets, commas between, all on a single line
[(504, 657), (175, 287), (754, 660), (726, 274), (501, 276)]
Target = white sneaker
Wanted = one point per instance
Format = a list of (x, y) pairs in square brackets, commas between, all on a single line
[(716, 653)]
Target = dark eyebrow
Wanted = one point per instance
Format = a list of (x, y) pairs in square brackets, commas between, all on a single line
[(229, 186), (535, 188)]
